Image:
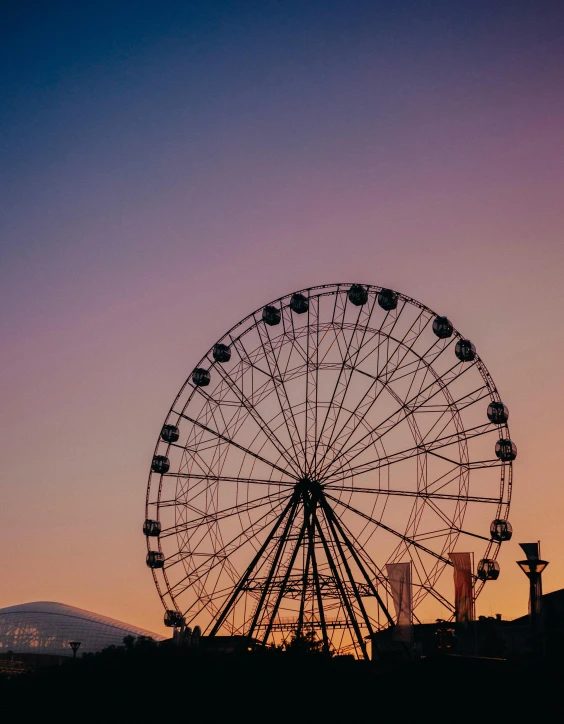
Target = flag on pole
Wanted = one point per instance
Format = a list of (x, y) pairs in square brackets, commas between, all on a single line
[(463, 598), (399, 577)]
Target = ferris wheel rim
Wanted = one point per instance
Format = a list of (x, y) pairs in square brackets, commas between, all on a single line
[(326, 290)]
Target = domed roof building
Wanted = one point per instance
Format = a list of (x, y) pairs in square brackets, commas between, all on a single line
[(45, 627)]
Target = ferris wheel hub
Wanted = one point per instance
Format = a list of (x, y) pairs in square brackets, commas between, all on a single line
[(307, 485)]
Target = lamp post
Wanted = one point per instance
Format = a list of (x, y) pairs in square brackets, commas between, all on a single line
[(533, 567), (75, 645)]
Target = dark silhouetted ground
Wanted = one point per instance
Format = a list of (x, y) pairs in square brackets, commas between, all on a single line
[(151, 684)]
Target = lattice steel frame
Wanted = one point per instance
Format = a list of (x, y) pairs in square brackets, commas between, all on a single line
[(314, 546)]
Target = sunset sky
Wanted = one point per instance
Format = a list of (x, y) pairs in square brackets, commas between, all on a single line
[(166, 168)]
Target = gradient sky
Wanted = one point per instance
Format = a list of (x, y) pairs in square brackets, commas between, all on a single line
[(166, 168)]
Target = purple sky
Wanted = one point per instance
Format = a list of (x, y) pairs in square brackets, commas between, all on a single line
[(166, 171)]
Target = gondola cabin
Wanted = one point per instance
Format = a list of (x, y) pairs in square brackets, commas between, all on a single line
[(498, 413), (151, 528), (465, 350), (160, 464), (358, 295), (271, 315), (299, 304), (488, 570), (221, 353), (173, 618), (506, 450), (155, 559), (201, 377), (170, 433), (388, 300), (501, 530), (442, 327)]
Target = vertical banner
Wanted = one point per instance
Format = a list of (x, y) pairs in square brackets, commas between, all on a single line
[(399, 576), (463, 598)]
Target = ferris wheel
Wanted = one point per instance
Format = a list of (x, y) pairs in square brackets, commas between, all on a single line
[(329, 434)]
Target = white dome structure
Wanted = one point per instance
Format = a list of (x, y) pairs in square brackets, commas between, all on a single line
[(45, 627)]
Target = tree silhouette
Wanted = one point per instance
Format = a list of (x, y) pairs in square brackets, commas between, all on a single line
[(304, 643)]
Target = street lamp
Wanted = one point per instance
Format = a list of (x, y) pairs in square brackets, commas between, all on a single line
[(75, 645), (532, 567)]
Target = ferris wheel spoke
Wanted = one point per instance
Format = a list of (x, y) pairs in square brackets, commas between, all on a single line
[(426, 448), (374, 572), (230, 479), (235, 444), (196, 457), (424, 582), (446, 424), (307, 380), (312, 396), (274, 499), (400, 411), (410, 411), (243, 507), (186, 497), (311, 377), (462, 503), (470, 465), (293, 338), (228, 549), (380, 372), (464, 438), (421, 409), (468, 401), (257, 417), (244, 578), (423, 508), (452, 475), (231, 428), (265, 376), (473, 535), (284, 410), (410, 493), (212, 403), (272, 358), (387, 335), (379, 524), (439, 380), (290, 374), (235, 424), (201, 603), (400, 366), (204, 575), (344, 358), (351, 365)]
